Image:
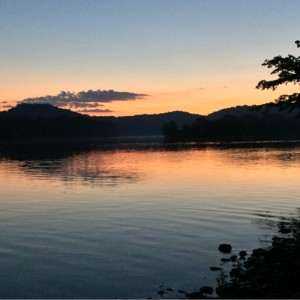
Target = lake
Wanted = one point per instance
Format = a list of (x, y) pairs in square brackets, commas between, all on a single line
[(119, 221)]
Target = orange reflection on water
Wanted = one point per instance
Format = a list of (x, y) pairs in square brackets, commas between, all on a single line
[(209, 167)]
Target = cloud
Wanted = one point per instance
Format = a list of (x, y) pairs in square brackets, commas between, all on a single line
[(96, 110), (84, 99)]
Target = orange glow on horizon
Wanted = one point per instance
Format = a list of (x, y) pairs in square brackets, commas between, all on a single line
[(205, 99), (201, 101)]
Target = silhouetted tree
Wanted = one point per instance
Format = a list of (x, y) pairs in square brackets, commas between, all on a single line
[(288, 71), (171, 131)]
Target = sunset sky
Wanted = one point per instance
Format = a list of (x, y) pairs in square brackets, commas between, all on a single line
[(126, 57)]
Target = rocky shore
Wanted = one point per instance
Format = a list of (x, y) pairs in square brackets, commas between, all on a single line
[(266, 273)]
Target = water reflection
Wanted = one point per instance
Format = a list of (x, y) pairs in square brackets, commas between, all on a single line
[(112, 164), (269, 220), (94, 168), (282, 156)]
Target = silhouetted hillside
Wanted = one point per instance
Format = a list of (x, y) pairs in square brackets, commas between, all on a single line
[(143, 125), (39, 110), (253, 110), (234, 111), (43, 121)]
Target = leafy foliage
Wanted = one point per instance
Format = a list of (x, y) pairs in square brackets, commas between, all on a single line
[(288, 71)]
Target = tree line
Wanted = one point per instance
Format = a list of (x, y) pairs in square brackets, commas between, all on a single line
[(233, 128), (251, 127)]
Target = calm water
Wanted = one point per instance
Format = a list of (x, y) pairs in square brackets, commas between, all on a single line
[(120, 222)]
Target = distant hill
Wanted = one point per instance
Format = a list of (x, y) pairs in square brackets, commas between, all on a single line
[(39, 110), (239, 111), (238, 124), (33, 121), (43, 121), (140, 125), (234, 111)]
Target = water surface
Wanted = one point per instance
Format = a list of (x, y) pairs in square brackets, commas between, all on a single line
[(119, 222)]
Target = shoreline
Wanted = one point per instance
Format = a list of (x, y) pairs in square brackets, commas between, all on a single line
[(267, 273), (158, 140)]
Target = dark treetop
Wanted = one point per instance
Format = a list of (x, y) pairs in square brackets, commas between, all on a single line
[(287, 70)]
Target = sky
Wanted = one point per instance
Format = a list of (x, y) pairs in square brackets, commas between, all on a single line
[(127, 57)]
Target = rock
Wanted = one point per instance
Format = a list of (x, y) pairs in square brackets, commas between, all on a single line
[(242, 253), (276, 241), (170, 289), (259, 252), (237, 272), (206, 290), (285, 230), (225, 248), (223, 259), (194, 295), (181, 292), (161, 293), (215, 269), (249, 263), (219, 290), (272, 272), (283, 245), (233, 258), (289, 242)]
